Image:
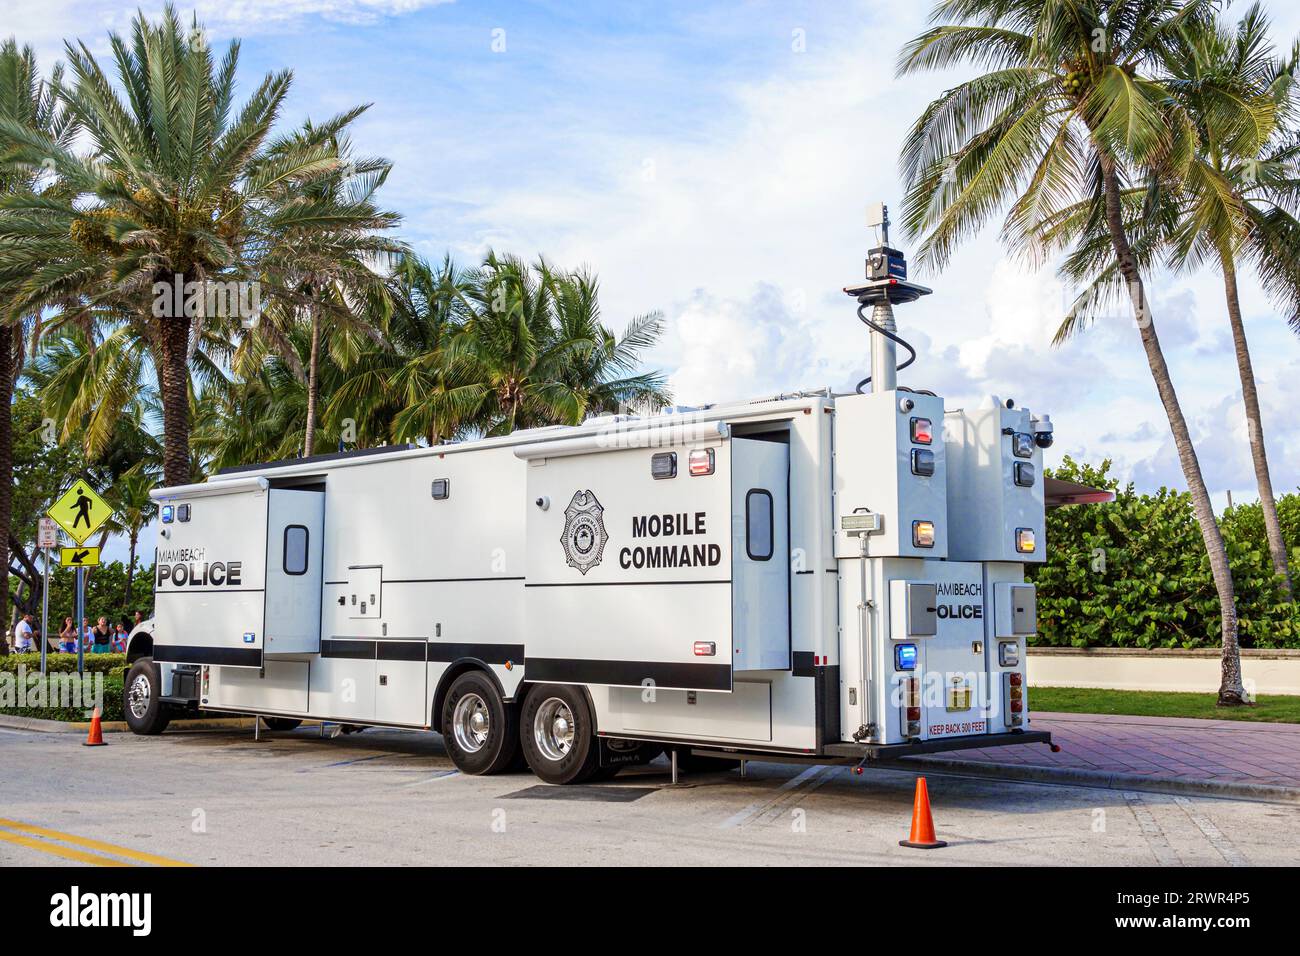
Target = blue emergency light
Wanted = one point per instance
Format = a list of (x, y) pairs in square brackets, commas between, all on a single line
[(905, 657), (167, 514)]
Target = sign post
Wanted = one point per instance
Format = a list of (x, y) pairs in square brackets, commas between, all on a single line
[(80, 512), (81, 614), (47, 538)]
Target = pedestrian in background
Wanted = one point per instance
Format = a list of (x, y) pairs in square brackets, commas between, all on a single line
[(24, 636), (68, 636), (101, 637)]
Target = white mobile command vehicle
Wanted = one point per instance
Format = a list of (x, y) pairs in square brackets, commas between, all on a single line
[(816, 577)]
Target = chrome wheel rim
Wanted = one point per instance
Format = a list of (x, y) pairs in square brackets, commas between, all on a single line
[(553, 729), (137, 698), (471, 723)]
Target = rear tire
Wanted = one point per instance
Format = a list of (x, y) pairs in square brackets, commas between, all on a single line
[(142, 705), (480, 730), (559, 735)]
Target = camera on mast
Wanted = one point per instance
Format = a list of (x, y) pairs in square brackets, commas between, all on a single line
[(886, 267)]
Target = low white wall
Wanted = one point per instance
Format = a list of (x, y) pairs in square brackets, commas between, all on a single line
[(1263, 671)]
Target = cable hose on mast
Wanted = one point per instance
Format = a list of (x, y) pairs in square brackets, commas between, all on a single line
[(889, 335)]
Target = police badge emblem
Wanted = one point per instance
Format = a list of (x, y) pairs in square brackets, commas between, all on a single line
[(584, 535)]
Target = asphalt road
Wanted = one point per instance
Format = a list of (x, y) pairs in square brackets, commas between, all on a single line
[(390, 797)]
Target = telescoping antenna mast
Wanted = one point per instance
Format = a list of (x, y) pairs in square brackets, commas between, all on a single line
[(886, 286)]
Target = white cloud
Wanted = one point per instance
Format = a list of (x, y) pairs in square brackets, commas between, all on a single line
[(246, 13), (1221, 435), (46, 24), (730, 349)]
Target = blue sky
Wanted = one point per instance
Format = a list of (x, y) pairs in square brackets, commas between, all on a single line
[(714, 162)]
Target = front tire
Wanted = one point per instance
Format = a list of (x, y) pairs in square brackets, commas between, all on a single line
[(145, 712), (480, 730), (559, 735)]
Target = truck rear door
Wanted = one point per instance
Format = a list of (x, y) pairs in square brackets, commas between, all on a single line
[(955, 691)]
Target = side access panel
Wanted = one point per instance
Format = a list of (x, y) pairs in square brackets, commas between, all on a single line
[(629, 574), (279, 688), (210, 579)]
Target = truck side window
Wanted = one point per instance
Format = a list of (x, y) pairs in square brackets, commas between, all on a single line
[(758, 524), (295, 549)]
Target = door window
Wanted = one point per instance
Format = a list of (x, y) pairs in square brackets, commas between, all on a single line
[(295, 549), (758, 524)]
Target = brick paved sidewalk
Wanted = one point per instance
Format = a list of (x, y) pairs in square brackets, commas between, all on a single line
[(1159, 748)]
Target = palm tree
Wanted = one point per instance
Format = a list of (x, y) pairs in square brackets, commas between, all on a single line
[(176, 190), (508, 353), (607, 373), (31, 104), (102, 392), (132, 510), (450, 359), (262, 414), (1238, 201), (1068, 113), (404, 391), (1242, 199), (531, 350), (328, 269)]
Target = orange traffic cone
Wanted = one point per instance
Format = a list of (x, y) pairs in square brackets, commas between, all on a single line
[(96, 736), (922, 837)]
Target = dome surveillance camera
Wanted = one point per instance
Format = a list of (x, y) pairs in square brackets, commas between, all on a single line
[(1043, 429)]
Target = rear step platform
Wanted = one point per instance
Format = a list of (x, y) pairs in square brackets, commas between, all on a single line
[(894, 751)]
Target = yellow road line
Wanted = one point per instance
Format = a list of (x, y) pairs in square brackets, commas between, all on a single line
[(63, 851), (90, 844)]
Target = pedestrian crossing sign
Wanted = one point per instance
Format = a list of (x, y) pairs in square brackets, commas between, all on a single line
[(80, 511), (79, 557)]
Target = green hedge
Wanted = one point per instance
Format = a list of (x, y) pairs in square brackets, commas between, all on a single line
[(112, 705), (63, 663), (1134, 573)]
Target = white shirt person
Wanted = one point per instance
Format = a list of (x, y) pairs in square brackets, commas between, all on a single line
[(23, 635)]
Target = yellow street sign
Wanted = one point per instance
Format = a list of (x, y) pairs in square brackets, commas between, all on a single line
[(79, 557), (80, 511)]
